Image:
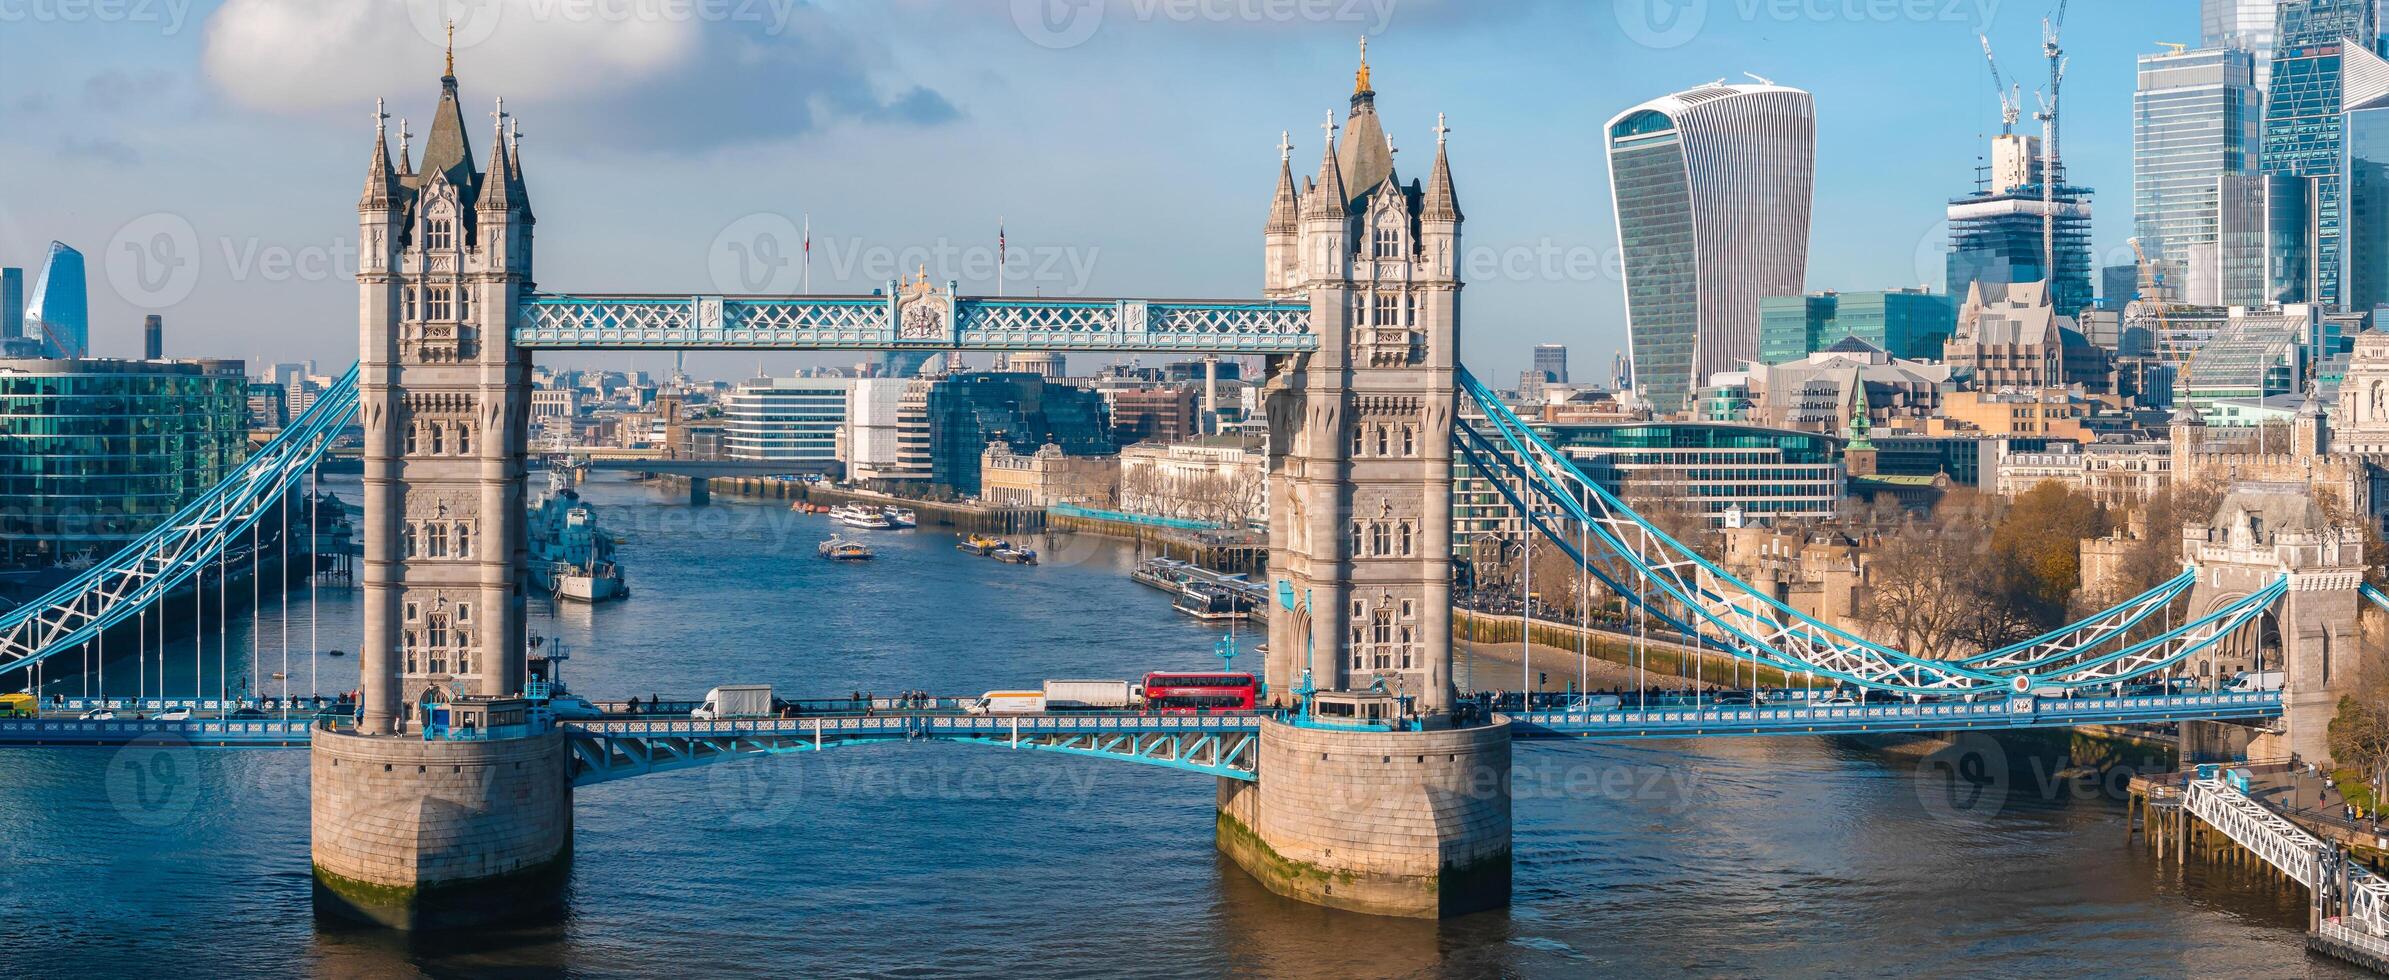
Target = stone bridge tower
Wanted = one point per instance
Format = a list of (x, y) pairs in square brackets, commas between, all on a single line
[(1414, 820), (408, 831), (1361, 431), (444, 254), (2260, 533)]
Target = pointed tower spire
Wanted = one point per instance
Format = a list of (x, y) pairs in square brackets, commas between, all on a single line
[(380, 185), (406, 151), (1441, 201), (1282, 207), (1327, 191), (498, 178), (450, 73), (1360, 79)]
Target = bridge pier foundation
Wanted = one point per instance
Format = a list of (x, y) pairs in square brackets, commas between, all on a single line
[(698, 492), (1389, 823), (410, 834)]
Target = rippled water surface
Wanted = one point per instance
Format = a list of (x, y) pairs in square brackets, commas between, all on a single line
[(1773, 857)]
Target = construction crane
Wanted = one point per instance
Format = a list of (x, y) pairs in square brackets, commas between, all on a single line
[(2010, 99), (2051, 170), (2177, 48)]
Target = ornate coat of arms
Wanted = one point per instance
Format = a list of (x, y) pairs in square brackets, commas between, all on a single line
[(922, 313)]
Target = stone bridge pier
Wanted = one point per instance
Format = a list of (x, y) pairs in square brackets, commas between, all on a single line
[(2260, 534)]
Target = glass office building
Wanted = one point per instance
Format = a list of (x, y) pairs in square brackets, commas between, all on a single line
[(2321, 44), (1712, 468), (94, 453), (2195, 117), (59, 312), (1711, 190), (1793, 327), (2364, 167), (786, 420), (1022, 410)]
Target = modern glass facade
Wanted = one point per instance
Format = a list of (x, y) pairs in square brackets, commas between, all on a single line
[(1793, 327), (2244, 24), (2257, 354), (2364, 161), (59, 312), (1713, 468), (12, 303), (2195, 117), (2303, 116), (1025, 411), (1905, 323), (1711, 189), (94, 453), (787, 420)]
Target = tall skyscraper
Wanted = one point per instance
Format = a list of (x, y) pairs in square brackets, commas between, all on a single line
[(2196, 117), (12, 303), (2244, 24), (2319, 42), (1711, 189), (153, 337), (2364, 164), (58, 313), (1995, 233)]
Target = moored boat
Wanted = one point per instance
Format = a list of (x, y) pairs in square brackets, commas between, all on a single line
[(839, 549), (1013, 555), (859, 516), (981, 545)]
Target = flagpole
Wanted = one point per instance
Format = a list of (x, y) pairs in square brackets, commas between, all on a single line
[(808, 247)]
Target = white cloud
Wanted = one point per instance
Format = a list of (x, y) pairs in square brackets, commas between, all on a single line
[(279, 55)]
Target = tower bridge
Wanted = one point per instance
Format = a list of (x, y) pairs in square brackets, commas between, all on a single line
[(1339, 793)]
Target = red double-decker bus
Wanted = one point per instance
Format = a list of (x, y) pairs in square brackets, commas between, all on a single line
[(1200, 693)]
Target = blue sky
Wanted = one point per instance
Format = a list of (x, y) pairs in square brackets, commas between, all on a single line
[(1128, 146)]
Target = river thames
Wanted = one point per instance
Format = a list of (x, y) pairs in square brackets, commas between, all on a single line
[(1774, 857)]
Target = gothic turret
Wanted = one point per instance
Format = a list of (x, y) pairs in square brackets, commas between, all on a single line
[(1279, 236), (1441, 202), (381, 186), (1366, 158), (495, 196)]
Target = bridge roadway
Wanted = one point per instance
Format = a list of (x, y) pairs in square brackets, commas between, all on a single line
[(621, 745)]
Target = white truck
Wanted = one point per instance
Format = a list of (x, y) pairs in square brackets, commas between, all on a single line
[(1088, 695), (2257, 681), (1008, 703), (735, 701)]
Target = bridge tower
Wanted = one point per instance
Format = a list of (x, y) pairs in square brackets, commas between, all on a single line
[(411, 831), (2260, 533), (1410, 816)]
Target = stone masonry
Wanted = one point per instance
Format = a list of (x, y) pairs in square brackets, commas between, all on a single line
[(412, 834), (1389, 823)]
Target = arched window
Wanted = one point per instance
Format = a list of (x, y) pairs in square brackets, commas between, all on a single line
[(1405, 539), (464, 438), (437, 303), (1388, 238), (464, 302), (435, 438), (1410, 440), (413, 433), (406, 540), (409, 294), (464, 546), (1380, 540), (409, 639), (1359, 437), (1359, 539), (1384, 442), (439, 233)]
